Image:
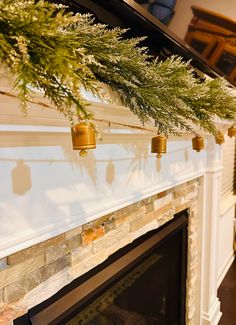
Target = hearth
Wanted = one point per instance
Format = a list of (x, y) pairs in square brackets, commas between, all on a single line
[(142, 284)]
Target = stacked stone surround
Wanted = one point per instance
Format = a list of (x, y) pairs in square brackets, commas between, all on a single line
[(30, 276)]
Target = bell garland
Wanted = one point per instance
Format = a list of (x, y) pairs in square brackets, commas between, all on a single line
[(198, 143), (46, 47)]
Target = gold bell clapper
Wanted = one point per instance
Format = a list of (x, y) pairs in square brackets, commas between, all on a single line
[(219, 138), (159, 145), (232, 132), (198, 143), (83, 138)]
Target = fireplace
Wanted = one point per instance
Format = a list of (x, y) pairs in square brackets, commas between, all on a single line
[(143, 283)]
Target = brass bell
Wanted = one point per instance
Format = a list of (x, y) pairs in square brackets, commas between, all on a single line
[(219, 138), (232, 132), (198, 143), (83, 138), (159, 145)]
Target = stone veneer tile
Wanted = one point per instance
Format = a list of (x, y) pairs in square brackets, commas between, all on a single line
[(142, 221), (33, 250), (119, 244), (109, 225), (160, 202), (180, 187), (58, 265), (81, 253), (105, 221), (184, 190), (92, 234), (1, 296), (129, 209), (149, 200), (14, 272), (129, 217), (74, 242), (162, 194), (195, 206), (8, 313), (179, 201), (193, 181), (181, 207), (55, 252), (192, 195), (73, 232), (164, 209), (192, 227), (149, 207), (98, 222), (19, 288), (87, 264), (146, 228), (110, 238), (192, 267), (161, 220)]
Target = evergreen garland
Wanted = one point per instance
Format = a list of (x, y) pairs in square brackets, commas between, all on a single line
[(46, 47)]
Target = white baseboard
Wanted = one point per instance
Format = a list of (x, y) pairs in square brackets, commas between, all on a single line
[(212, 317), (224, 269)]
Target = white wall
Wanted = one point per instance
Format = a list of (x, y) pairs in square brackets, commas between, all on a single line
[(183, 14), (226, 236)]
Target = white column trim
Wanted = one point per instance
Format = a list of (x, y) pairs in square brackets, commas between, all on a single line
[(210, 304)]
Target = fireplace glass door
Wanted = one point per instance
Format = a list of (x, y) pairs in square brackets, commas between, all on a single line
[(148, 294)]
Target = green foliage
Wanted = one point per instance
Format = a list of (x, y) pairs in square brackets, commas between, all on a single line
[(58, 52)]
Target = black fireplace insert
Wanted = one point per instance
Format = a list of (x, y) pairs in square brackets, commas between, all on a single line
[(144, 283)]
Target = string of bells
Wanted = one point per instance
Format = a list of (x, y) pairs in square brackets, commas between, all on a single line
[(83, 139)]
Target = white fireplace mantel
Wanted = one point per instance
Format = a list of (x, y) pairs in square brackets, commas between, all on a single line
[(47, 189), (73, 190)]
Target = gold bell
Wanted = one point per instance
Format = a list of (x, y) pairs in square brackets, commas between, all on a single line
[(159, 145), (232, 132), (219, 138), (198, 143), (83, 138)]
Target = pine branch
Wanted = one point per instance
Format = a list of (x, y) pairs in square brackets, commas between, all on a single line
[(46, 47)]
